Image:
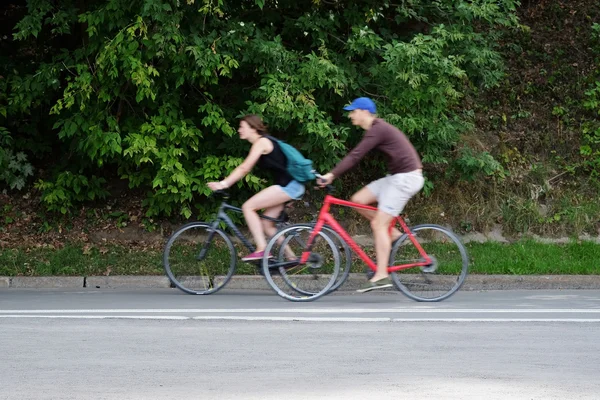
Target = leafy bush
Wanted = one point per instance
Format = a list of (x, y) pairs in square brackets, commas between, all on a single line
[(590, 149), (69, 188), (152, 89), (14, 168)]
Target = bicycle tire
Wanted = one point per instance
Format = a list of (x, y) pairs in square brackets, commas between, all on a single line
[(407, 279), (183, 282), (345, 272), (293, 291)]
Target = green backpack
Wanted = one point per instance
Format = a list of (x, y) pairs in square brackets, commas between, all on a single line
[(298, 167)]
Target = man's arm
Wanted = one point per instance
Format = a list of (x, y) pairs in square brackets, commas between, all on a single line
[(369, 141)]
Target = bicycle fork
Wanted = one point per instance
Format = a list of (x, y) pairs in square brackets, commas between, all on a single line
[(208, 241)]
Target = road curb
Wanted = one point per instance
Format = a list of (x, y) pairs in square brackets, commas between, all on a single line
[(35, 282), (509, 282), (4, 282), (127, 281), (246, 282), (257, 282), (531, 282)]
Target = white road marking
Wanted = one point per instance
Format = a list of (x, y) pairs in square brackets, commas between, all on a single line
[(309, 311), (302, 319)]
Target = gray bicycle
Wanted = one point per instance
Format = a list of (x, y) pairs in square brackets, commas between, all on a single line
[(200, 257)]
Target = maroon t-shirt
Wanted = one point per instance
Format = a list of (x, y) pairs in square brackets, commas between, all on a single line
[(400, 154)]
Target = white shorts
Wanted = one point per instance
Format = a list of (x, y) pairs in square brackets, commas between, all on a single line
[(394, 191)]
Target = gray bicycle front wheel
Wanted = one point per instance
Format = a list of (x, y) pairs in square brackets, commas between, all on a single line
[(199, 259), (344, 250), (301, 282)]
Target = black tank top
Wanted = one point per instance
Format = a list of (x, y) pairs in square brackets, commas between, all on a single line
[(276, 163)]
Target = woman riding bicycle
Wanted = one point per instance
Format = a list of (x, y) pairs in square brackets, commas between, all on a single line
[(267, 154)]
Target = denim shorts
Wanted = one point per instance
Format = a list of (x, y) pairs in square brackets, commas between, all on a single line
[(294, 189)]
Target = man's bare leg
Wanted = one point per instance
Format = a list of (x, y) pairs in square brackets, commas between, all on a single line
[(366, 197)]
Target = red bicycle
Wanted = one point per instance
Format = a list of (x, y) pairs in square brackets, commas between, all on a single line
[(427, 263)]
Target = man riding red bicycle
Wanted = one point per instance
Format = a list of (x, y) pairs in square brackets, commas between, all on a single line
[(392, 192)]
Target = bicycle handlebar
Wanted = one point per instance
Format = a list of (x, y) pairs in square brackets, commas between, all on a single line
[(330, 188), (221, 192), (225, 193)]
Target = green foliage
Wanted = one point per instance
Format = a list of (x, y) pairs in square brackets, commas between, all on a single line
[(529, 257), (523, 257), (471, 165), (69, 188), (152, 89), (519, 215), (590, 149), (14, 167)]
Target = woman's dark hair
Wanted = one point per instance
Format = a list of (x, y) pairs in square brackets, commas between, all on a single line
[(255, 122)]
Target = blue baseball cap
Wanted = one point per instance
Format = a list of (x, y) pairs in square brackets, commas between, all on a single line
[(362, 103)]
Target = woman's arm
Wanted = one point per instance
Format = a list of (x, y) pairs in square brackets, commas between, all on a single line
[(258, 149)]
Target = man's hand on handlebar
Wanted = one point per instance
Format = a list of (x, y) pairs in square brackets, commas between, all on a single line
[(324, 180)]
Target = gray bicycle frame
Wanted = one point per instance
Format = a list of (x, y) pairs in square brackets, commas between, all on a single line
[(223, 217)]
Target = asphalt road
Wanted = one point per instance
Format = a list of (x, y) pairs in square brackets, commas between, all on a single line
[(161, 344)]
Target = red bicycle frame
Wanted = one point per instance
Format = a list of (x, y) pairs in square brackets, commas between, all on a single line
[(325, 217)]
